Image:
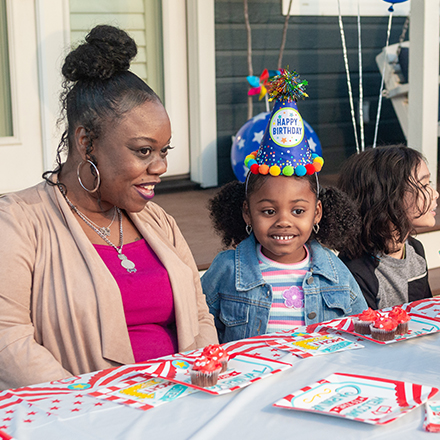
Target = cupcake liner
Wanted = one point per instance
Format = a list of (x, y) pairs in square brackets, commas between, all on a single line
[(402, 328), (362, 327), (382, 335), (204, 378), (224, 363)]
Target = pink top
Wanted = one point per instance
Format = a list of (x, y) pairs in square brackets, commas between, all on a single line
[(147, 298)]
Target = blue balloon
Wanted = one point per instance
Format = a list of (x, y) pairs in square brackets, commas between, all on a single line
[(391, 8), (248, 139)]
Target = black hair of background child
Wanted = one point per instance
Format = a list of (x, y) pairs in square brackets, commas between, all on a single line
[(379, 180), (339, 224)]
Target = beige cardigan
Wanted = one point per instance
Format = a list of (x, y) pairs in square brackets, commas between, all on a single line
[(61, 311)]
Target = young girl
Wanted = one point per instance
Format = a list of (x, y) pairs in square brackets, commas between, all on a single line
[(279, 275), (392, 188)]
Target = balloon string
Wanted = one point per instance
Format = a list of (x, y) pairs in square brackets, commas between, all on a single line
[(379, 106), (350, 92), (361, 88)]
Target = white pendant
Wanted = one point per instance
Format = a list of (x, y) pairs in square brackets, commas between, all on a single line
[(127, 264)]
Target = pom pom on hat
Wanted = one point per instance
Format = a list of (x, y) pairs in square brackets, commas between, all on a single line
[(254, 168), (310, 168), (275, 170), (264, 169), (300, 170), (288, 170)]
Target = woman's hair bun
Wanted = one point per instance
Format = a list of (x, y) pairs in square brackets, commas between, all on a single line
[(107, 50)]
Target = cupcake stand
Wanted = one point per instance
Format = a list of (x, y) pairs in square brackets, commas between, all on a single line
[(319, 382)]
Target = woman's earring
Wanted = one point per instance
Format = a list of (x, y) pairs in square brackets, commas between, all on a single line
[(249, 229), (98, 177), (316, 228)]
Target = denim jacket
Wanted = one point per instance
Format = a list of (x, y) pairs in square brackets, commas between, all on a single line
[(240, 299)]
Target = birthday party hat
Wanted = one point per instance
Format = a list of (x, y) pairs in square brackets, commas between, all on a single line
[(284, 149)]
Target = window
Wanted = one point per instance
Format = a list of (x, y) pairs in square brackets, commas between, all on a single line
[(140, 18), (5, 84)]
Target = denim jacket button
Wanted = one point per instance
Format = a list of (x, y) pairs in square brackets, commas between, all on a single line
[(310, 280), (311, 315)]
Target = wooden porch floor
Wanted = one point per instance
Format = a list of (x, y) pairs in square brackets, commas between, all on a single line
[(189, 208)]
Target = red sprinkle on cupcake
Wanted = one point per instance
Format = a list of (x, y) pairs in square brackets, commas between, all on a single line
[(217, 353), (402, 318)]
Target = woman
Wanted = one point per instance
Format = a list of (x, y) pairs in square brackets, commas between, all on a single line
[(94, 275)]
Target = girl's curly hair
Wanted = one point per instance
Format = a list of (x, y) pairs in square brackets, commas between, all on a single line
[(379, 180), (339, 224)]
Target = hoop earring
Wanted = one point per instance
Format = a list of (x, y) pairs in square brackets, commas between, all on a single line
[(249, 229), (316, 228), (97, 175)]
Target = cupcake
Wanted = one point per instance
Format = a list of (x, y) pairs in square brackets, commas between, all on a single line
[(217, 353), (363, 321), (383, 329), (205, 372), (402, 318)]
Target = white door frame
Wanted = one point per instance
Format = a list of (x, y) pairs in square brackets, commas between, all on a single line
[(423, 81), (189, 69), (53, 39), (202, 91), (21, 154)]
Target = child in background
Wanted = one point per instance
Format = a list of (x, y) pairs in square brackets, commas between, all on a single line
[(392, 188), (279, 276)]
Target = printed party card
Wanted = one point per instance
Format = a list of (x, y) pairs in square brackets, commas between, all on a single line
[(312, 344), (365, 399), (145, 394)]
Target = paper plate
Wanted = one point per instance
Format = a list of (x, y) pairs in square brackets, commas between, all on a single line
[(420, 325), (242, 371), (371, 400)]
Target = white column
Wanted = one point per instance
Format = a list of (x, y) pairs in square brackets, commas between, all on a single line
[(53, 40), (423, 80), (175, 84), (202, 98)]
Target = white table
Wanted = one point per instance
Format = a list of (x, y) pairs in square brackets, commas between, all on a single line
[(248, 413)]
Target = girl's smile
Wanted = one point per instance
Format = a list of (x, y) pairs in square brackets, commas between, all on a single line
[(282, 213)]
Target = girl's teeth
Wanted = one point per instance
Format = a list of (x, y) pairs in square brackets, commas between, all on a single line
[(283, 237)]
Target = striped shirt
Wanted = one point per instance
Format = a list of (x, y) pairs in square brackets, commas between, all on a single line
[(287, 310)]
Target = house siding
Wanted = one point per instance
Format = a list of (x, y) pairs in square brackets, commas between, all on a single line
[(132, 16), (313, 48)]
